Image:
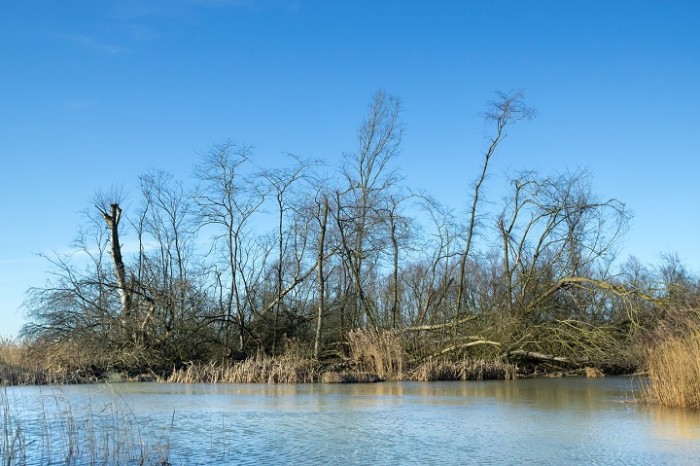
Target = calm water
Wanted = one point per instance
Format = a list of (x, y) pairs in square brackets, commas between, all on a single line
[(544, 421)]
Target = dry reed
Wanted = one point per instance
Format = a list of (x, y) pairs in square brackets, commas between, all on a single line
[(110, 435), (379, 353), (13, 441), (17, 367), (435, 368), (11, 372), (290, 367), (593, 373), (23, 363), (674, 371)]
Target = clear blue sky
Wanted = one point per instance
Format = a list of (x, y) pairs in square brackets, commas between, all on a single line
[(94, 93)]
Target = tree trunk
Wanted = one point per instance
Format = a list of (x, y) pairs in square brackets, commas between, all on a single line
[(395, 273), (112, 218), (321, 279), (505, 111)]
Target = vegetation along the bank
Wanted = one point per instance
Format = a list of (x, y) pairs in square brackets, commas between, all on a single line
[(308, 273)]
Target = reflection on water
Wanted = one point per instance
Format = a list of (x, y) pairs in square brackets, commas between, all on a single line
[(542, 421), (673, 424)]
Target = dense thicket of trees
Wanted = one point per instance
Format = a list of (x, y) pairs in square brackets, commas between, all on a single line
[(251, 258)]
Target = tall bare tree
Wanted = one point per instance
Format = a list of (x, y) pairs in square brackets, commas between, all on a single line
[(164, 283), (282, 182), (227, 201), (504, 111), (368, 176), (112, 214), (324, 208)]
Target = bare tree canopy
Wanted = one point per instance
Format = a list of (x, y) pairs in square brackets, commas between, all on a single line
[(252, 260)]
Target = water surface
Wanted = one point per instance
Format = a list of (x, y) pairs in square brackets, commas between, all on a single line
[(539, 421)]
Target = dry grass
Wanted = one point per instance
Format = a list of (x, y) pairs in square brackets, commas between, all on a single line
[(434, 369), (12, 443), (291, 367), (593, 373), (379, 353), (17, 367), (11, 362), (60, 435), (374, 356), (11, 352), (674, 370), (22, 363)]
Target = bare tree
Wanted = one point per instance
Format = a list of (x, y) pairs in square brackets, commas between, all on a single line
[(163, 283), (680, 287), (282, 182), (506, 110), (399, 227), (75, 316), (112, 214), (554, 230), (207, 284), (321, 278), (227, 201), (369, 176), (437, 264)]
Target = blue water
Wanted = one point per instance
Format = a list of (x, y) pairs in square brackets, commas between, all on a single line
[(541, 421)]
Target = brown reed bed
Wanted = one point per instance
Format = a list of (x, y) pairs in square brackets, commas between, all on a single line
[(673, 367), (18, 368), (291, 367), (22, 363), (441, 368), (12, 371), (372, 356), (593, 373), (379, 353)]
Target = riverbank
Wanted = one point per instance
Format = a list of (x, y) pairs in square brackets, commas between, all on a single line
[(261, 368), (671, 364), (370, 359)]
